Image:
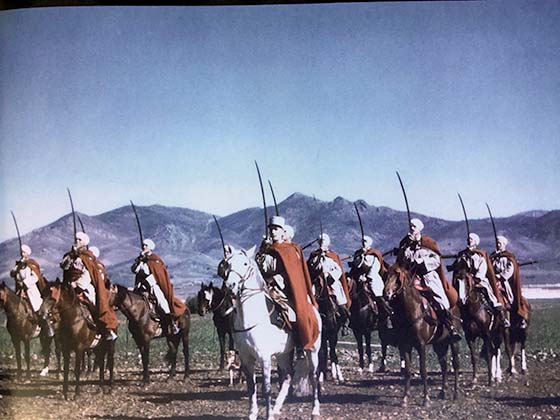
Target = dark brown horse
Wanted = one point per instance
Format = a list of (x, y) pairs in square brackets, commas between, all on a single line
[(144, 328), (414, 320), (478, 321), (517, 336), (24, 325), (215, 300), (75, 334)]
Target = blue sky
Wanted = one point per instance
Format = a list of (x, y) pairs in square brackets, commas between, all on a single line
[(172, 106)]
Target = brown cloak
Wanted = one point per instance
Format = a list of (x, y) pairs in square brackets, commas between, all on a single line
[(520, 303), (299, 281), (158, 269)]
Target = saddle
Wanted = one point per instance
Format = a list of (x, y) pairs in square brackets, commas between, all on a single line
[(428, 302), (88, 312)]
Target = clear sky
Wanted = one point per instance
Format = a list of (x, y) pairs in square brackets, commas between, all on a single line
[(172, 106)]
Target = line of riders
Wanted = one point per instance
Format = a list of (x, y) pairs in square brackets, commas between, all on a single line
[(288, 276)]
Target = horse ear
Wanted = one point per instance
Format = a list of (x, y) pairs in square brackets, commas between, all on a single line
[(251, 252), (201, 285), (211, 285)]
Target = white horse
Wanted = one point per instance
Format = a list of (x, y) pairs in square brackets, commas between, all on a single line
[(258, 340)]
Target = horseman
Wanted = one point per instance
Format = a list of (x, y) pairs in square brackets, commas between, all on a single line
[(420, 255), (326, 264), (283, 266), (30, 281), (479, 265), (368, 266), (80, 270), (507, 272), (152, 277)]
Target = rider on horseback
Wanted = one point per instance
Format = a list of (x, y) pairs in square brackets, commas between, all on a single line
[(507, 271), (368, 267), (80, 270), (282, 264), (30, 281), (420, 254), (480, 266), (152, 277), (326, 263)]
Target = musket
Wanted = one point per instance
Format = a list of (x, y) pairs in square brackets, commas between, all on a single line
[(405, 199), (138, 223), (309, 244), (493, 225), (81, 224), (18, 235), (466, 218), (264, 201), (274, 199), (73, 212), (528, 263), (361, 225), (221, 236)]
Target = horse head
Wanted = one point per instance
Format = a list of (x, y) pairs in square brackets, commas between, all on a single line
[(240, 271), (3, 294), (204, 298), (396, 279)]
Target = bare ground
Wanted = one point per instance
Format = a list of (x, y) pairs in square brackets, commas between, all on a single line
[(207, 395)]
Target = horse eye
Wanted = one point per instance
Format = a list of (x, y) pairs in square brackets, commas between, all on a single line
[(245, 264)]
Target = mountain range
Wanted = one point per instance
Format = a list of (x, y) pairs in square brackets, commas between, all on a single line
[(189, 242)]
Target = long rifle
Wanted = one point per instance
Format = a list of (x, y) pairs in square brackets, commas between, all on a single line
[(264, 201), (361, 225), (73, 212), (493, 225), (466, 218), (221, 236), (138, 223), (18, 235), (274, 198), (405, 200)]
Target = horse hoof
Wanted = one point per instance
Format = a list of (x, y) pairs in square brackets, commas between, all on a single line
[(370, 368), (44, 372), (404, 402), (426, 402), (360, 371), (524, 371), (381, 369)]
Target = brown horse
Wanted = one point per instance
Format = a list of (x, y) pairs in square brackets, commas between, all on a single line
[(414, 320), (478, 321), (144, 328), (215, 300), (23, 325), (75, 334), (517, 336)]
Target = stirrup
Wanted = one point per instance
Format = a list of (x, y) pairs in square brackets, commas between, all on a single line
[(523, 325)]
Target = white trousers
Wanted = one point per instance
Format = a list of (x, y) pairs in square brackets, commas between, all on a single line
[(339, 293), (158, 293), (433, 281)]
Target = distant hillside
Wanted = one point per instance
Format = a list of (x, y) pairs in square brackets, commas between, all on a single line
[(189, 242)]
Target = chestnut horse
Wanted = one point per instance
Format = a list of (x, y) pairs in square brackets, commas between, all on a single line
[(517, 336), (75, 334), (144, 328), (215, 300), (23, 325), (478, 321), (414, 320)]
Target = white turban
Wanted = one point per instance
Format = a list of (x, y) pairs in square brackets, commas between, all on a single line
[(95, 251), (502, 239), (277, 221), (289, 231), (475, 238), (83, 236), (26, 249), (417, 223), (367, 241), (324, 240), (150, 244)]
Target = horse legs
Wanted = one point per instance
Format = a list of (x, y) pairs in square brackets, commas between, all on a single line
[(222, 341), (368, 350), (456, 367), (323, 359), (474, 357), (523, 359), (441, 351), (46, 350), (313, 359), (423, 373), (511, 354), (185, 339), (359, 340), (383, 366), (110, 353), (66, 357), (266, 386), (405, 355), (26, 346), (145, 353), (284, 361), (248, 368), (336, 372), (77, 371), (17, 347), (172, 346)]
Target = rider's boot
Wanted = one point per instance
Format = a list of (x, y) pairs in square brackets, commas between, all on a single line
[(300, 354), (386, 310), (500, 312), (345, 315), (171, 324), (447, 318)]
